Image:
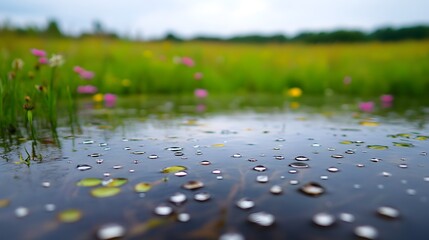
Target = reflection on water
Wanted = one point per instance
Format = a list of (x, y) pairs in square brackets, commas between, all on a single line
[(244, 169)]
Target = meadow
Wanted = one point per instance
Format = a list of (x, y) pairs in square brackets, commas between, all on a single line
[(97, 66)]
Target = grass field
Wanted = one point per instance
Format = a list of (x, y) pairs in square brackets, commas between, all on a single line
[(123, 67)]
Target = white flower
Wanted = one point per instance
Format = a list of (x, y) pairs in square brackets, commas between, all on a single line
[(56, 60), (17, 64)]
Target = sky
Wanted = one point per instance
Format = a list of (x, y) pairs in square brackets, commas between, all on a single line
[(188, 18)]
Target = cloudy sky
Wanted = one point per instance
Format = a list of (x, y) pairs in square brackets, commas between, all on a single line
[(187, 18)]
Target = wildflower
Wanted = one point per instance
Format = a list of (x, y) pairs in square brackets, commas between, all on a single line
[(56, 60), (40, 88), (87, 89), (17, 64), (198, 76), (98, 97), (366, 106), (110, 99), (347, 80), (86, 74), (78, 69), (43, 60), (28, 104), (386, 98), (38, 53), (188, 61), (201, 93), (201, 108), (294, 92)]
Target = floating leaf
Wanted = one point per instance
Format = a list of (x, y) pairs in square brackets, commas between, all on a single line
[(4, 203), (369, 123), (422, 138), (402, 144), (70, 215), (377, 147), (218, 145), (403, 135), (103, 192), (346, 142), (142, 187), (89, 182), (173, 169), (116, 182)]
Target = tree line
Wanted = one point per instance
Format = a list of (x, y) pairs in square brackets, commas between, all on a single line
[(416, 32)]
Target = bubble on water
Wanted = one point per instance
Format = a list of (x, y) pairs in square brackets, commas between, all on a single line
[(360, 165), (102, 144), (388, 212), (183, 217), (293, 171), (99, 161), (299, 165), (174, 149), (375, 159), (131, 171), (245, 203), (403, 144), (231, 236), (102, 192), (302, 158), (88, 142), (179, 154), (293, 182), (276, 148), (262, 178), (324, 177), (333, 169), (219, 177), (163, 210), (180, 173), (316, 145), (193, 185), (424, 153), (138, 152), (337, 156), (83, 167), (174, 169), (386, 174), (117, 166), (115, 182), (276, 189), (331, 149), (312, 189), (89, 182), (347, 217), (350, 151), (262, 219), (198, 152), (70, 215), (411, 191), (21, 212), (366, 232), (380, 186), (202, 196), (46, 184), (205, 162), (153, 156), (426, 179), (111, 231), (216, 171), (260, 168), (50, 207), (252, 160), (95, 155), (127, 148), (377, 147), (178, 198), (280, 140), (279, 157), (403, 165), (106, 174), (324, 219), (356, 186), (237, 155)]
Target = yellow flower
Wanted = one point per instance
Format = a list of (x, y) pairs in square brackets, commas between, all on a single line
[(98, 97), (294, 92)]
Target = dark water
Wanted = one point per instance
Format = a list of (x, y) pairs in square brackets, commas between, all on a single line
[(345, 164)]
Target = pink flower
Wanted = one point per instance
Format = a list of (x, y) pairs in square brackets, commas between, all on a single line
[(200, 93), (84, 74), (347, 80), (43, 60), (201, 108), (366, 106), (198, 76), (386, 98), (188, 61), (38, 52), (78, 69), (110, 99), (87, 89)]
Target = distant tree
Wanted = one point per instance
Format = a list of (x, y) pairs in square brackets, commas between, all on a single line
[(52, 29), (172, 37), (97, 27)]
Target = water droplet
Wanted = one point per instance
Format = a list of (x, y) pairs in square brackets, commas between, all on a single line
[(216, 171), (402, 144), (99, 161), (279, 157), (316, 145), (411, 192), (280, 140), (180, 173), (350, 151), (377, 147), (237, 155), (293, 171), (276, 189), (403, 165), (331, 149), (347, 217), (153, 156), (219, 177), (106, 174), (142, 187), (46, 184), (89, 182), (83, 167), (386, 174), (367, 232), (95, 155), (262, 178), (375, 159), (426, 179), (88, 142), (260, 168), (21, 212), (333, 169), (174, 169), (388, 212), (178, 198), (117, 166), (299, 165), (360, 165), (102, 144), (245, 203), (127, 148), (276, 148), (337, 156), (293, 182), (111, 231), (163, 210), (252, 160), (324, 177), (193, 185), (138, 152), (202, 196), (231, 236), (302, 158), (424, 153), (262, 219), (323, 219), (102, 192), (205, 162), (50, 207), (179, 154), (69, 215), (312, 189), (174, 149), (198, 152)]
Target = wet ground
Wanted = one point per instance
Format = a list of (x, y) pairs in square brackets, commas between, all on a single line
[(281, 173)]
